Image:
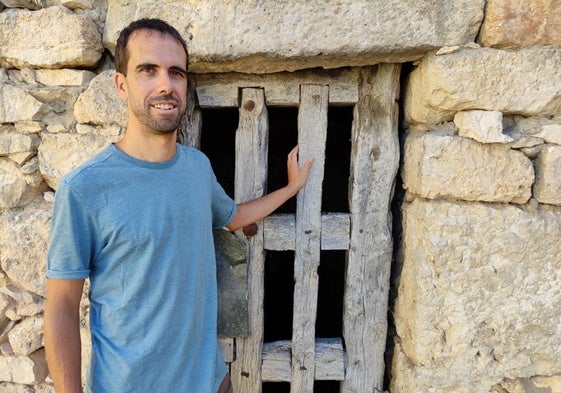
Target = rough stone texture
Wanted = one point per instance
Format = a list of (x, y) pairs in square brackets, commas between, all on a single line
[(51, 46), (28, 4), (515, 23), (16, 187), (530, 85), (18, 105), (63, 77), (547, 188), (23, 369), (13, 142), (274, 35), (548, 130), (479, 296), (27, 336), (60, 153), (482, 126), (448, 166), (24, 236), (99, 104)]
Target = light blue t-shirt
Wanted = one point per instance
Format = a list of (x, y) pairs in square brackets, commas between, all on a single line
[(142, 233)]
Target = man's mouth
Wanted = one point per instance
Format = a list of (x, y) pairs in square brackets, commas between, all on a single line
[(164, 106)]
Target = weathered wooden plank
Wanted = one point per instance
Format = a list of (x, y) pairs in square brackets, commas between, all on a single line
[(189, 132), (280, 231), (227, 347), (374, 164), (281, 89), (329, 360), (312, 133), (250, 183)]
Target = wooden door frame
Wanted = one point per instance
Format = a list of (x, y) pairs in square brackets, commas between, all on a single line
[(365, 232)]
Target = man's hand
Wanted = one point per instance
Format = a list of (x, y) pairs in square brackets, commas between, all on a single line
[(297, 175)]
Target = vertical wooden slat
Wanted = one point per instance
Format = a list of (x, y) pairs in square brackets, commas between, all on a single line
[(312, 132), (374, 164), (189, 132), (250, 183)]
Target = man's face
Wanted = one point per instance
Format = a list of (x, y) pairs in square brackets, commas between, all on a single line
[(155, 87)]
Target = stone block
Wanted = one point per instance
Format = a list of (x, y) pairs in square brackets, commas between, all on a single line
[(24, 238), (547, 187), (18, 105), (525, 82), (17, 188), (26, 370), (482, 126), (275, 35), (515, 23), (27, 336), (14, 142), (450, 166), (478, 297), (99, 104), (24, 36), (64, 77), (60, 153)]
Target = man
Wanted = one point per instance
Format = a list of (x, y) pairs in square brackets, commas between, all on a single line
[(137, 221)]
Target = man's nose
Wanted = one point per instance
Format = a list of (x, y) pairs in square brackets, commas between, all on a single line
[(165, 84)]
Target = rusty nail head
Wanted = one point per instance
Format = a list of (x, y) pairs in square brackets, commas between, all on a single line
[(249, 105)]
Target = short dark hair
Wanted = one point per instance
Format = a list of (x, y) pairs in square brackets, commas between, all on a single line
[(121, 53)]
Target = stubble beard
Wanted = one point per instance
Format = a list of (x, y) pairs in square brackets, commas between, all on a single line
[(155, 125)]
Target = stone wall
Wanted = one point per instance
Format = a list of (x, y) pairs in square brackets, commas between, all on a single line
[(479, 295)]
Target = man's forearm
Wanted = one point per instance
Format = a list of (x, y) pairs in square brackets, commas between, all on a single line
[(63, 349), (62, 334), (256, 209)]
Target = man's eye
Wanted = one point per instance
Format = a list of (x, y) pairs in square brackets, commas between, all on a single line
[(177, 74)]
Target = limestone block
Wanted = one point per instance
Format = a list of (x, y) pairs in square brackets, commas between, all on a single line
[(24, 238), (479, 295), (16, 188), (29, 127), (18, 105), (60, 153), (29, 4), (529, 385), (14, 142), (24, 369), (27, 336), (64, 77), (19, 50), (78, 4), (5, 304), (525, 82), (547, 188), (514, 23), (448, 166), (99, 104), (551, 133), (482, 126), (275, 35)]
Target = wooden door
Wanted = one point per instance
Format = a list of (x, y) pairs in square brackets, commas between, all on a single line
[(357, 358)]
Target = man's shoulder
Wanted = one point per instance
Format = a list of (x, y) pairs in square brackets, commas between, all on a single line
[(87, 170), (192, 153)]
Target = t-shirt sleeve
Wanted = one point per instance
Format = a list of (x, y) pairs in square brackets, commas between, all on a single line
[(74, 239), (223, 207)]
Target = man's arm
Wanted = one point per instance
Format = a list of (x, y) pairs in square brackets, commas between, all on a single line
[(256, 209), (62, 334)]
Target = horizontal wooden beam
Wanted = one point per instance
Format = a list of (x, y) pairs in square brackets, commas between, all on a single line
[(282, 89), (329, 360), (280, 231)]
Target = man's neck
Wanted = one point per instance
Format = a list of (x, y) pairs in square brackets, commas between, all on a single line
[(152, 148)]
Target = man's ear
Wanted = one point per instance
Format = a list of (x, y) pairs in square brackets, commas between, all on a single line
[(121, 85)]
